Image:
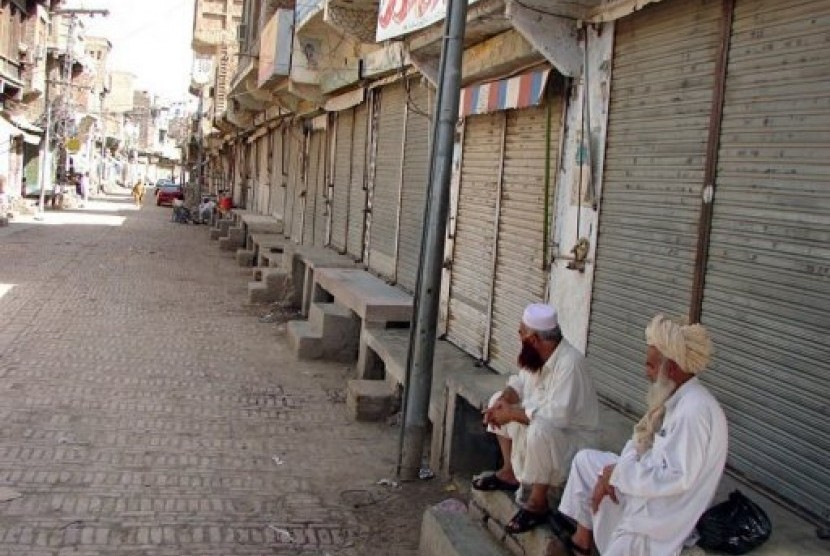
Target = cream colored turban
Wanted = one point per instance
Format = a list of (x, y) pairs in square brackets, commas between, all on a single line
[(687, 345)]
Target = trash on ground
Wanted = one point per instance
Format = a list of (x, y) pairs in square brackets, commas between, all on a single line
[(450, 488), (7, 494), (278, 460), (389, 483)]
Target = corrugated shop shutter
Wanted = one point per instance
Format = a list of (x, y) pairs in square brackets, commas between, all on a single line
[(383, 228), (415, 175), (472, 259), (767, 292), (342, 176), (263, 183), (277, 178), (312, 197), (357, 184), (661, 92), (321, 203), (297, 180), (521, 275)]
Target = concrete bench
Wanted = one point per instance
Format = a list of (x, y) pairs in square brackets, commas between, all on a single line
[(366, 297), (246, 225), (456, 376), (249, 255)]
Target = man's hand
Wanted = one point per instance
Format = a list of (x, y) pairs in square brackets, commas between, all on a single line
[(489, 413), (603, 488)]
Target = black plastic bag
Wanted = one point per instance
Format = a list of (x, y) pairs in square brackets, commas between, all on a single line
[(735, 526)]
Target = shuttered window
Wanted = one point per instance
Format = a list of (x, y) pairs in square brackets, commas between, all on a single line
[(414, 188), (661, 92), (521, 273), (472, 259), (342, 176), (383, 227), (357, 183), (767, 293)]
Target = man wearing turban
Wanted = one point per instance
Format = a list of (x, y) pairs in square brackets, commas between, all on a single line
[(647, 501), (547, 413)]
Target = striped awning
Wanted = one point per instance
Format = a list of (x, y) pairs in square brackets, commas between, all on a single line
[(521, 91)]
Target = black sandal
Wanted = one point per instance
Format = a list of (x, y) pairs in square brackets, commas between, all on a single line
[(492, 482), (574, 549), (525, 520)]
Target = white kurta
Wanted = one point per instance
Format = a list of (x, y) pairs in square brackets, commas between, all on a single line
[(561, 404), (661, 493)]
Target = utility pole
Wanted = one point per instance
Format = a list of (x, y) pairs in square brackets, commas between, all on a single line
[(201, 137), (45, 167), (422, 337)]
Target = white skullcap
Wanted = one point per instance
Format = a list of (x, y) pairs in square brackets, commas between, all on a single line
[(539, 316), (687, 345)]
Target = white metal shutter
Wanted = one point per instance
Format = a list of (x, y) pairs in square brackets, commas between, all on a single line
[(277, 208), (661, 92), (472, 259), (313, 190), (357, 183), (767, 289), (297, 180), (342, 176), (521, 275), (263, 183), (383, 228), (414, 187)]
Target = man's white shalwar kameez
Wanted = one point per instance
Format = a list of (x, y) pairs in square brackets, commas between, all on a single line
[(561, 404), (661, 493)]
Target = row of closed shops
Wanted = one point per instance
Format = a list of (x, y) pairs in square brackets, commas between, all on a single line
[(766, 288), (356, 180)]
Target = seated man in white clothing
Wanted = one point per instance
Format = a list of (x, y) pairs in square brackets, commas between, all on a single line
[(647, 501), (546, 414)]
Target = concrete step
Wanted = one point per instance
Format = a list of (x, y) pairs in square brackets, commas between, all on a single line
[(332, 318), (310, 342), (496, 509), (305, 341), (370, 400), (245, 257), (445, 533)]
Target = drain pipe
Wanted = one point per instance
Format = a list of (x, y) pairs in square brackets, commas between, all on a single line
[(419, 370)]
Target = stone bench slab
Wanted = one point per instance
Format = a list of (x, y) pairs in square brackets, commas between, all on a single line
[(372, 299)]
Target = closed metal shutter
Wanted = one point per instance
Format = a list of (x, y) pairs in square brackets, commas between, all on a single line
[(357, 184), (521, 275), (277, 179), (767, 289), (414, 188), (342, 178), (383, 228), (661, 91), (472, 260), (313, 191), (296, 177), (263, 183), (315, 199)]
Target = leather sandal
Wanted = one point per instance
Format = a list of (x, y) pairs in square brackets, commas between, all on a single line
[(492, 482)]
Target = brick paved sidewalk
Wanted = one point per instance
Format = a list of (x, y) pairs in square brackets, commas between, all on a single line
[(146, 411)]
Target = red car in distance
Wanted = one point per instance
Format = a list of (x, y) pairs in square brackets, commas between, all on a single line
[(167, 193)]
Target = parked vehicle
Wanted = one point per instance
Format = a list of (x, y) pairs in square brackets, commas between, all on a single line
[(165, 194)]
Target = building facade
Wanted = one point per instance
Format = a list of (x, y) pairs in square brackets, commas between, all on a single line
[(613, 159)]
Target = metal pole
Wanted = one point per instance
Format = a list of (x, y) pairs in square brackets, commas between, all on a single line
[(429, 288), (199, 170), (45, 167)]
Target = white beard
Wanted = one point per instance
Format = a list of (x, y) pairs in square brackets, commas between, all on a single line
[(658, 392)]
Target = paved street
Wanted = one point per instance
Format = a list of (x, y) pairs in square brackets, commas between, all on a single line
[(147, 411)]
